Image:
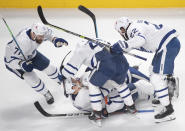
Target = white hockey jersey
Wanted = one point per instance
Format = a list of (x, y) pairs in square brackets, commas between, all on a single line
[(148, 37), (83, 54), (27, 45)]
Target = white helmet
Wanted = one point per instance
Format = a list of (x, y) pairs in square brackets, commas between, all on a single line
[(39, 29), (122, 22)]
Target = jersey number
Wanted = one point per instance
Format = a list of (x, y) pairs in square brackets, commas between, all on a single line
[(158, 27)]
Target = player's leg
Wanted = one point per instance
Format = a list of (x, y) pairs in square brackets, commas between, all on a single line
[(81, 100), (163, 65), (42, 63), (38, 85), (125, 94), (32, 79), (95, 99)]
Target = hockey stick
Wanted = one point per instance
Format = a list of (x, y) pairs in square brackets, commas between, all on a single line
[(14, 38), (41, 15), (61, 67), (46, 114), (89, 13)]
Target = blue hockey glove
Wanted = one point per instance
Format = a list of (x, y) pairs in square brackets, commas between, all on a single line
[(59, 42), (26, 66)]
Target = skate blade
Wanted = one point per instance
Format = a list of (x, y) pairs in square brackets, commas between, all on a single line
[(166, 119)]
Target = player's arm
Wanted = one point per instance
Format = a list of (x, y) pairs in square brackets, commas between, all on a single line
[(58, 42), (79, 56), (136, 39)]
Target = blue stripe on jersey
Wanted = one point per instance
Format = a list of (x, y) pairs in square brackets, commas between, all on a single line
[(105, 89), (68, 71), (123, 90), (14, 58), (126, 95), (162, 96), (92, 63), (114, 97), (117, 101), (94, 95), (37, 85), (161, 90), (53, 73), (139, 34), (72, 66), (56, 77), (164, 38), (96, 101), (41, 88)]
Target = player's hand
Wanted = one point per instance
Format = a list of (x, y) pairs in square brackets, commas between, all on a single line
[(26, 66), (99, 41), (59, 42)]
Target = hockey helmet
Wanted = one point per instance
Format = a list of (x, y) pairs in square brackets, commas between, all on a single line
[(39, 29), (122, 22)]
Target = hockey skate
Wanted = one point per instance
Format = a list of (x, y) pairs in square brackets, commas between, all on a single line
[(96, 118), (131, 109), (49, 98), (167, 114), (155, 102)]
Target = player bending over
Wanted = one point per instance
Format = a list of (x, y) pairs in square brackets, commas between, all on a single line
[(161, 40)]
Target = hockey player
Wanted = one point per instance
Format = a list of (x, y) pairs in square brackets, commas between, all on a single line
[(161, 40), (140, 89), (28, 40), (106, 68)]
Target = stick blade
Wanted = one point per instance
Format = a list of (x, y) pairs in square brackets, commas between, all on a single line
[(40, 109), (41, 15), (87, 11)]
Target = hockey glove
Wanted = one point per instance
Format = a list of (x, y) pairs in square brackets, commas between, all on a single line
[(26, 66), (99, 41), (59, 42)]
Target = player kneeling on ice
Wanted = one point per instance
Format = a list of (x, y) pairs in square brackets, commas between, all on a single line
[(161, 40), (106, 67), (110, 98), (21, 59)]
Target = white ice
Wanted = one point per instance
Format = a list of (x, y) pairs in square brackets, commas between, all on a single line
[(17, 112)]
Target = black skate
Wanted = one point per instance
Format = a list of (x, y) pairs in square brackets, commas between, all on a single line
[(49, 98), (96, 118), (167, 114), (131, 109), (155, 102)]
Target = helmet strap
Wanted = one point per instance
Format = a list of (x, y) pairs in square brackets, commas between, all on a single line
[(126, 36)]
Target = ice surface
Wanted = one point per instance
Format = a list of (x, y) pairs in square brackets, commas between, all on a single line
[(17, 112)]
